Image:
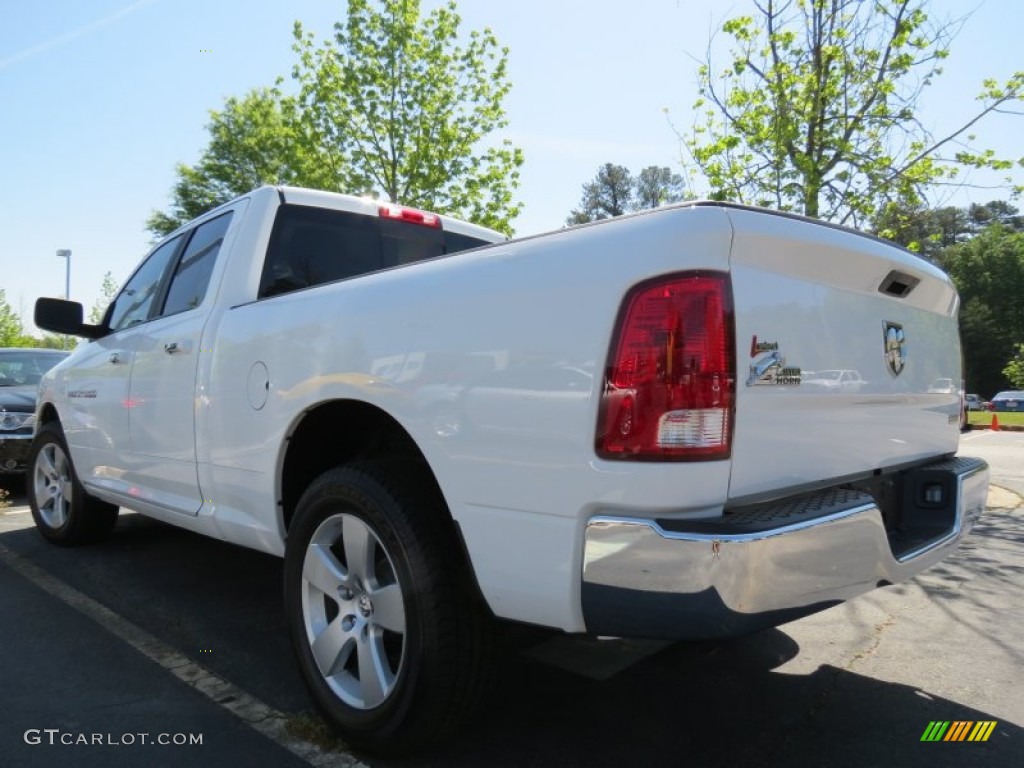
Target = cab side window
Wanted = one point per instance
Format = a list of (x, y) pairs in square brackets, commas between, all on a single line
[(192, 275), (135, 301)]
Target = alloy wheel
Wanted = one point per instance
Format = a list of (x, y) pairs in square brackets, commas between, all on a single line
[(353, 611), (52, 485)]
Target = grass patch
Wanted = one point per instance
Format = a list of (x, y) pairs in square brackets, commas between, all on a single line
[(1006, 418)]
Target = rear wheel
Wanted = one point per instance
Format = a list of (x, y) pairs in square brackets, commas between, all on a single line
[(390, 637), (63, 512)]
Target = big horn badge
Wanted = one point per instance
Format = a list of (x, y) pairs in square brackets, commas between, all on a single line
[(895, 355)]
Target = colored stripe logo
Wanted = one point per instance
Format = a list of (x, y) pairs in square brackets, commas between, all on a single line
[(958, 730)]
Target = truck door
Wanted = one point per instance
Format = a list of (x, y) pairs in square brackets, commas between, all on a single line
[(162, 393), (96, 424)]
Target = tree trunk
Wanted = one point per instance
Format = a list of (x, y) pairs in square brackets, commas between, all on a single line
[(812, 191)]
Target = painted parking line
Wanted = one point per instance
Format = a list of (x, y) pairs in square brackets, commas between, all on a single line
[(261, 717)]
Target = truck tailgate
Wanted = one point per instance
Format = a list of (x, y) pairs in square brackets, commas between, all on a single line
[(840, 341)]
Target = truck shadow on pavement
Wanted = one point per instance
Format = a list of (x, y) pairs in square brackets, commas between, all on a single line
[(690, 704)]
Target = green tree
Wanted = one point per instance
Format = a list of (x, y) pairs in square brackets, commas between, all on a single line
[(414, 110), (928, 231), (815, 111), (257, 139), (53, 341), (989, 273), (393, 105), (609, 193), (12, 333), (108, 290), (614, 191), (657, 185), (995, 212), (931, 231), (1014, 370)]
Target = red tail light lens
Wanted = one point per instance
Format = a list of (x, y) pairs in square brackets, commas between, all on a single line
[(411, 215), (670, 384)]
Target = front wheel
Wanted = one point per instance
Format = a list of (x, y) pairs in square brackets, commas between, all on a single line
[(389, 636), (63, 512)]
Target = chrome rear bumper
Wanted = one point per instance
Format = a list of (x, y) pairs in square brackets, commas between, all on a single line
[(766, 565)]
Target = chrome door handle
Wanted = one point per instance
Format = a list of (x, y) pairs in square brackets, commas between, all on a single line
[(171, 347)]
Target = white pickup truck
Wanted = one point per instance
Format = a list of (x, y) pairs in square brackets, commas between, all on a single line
[(601, 429)]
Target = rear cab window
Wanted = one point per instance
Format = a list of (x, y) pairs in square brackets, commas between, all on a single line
[(311, 246)]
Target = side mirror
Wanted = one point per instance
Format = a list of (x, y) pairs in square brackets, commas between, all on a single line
[(60, 316)]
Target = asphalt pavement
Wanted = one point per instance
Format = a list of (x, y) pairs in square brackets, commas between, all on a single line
[(75, 696), (160, 632), (1003, 450)]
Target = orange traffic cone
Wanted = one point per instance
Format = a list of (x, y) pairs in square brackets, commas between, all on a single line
[(995, 423)]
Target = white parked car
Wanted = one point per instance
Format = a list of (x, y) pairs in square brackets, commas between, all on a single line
[(844, 381), (942, 386)]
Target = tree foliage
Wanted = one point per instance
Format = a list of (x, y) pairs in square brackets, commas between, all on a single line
[(108, 290), (52, 341), (1014, 370), (931, 231), (411, 107), (12, 333), (988, 271), (815, 110), (256, 139), (614, 191), (995, 212), (610, 193), (395, 104), (12, 330), (657, 185)]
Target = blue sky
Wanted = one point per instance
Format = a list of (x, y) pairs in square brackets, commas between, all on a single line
[(99, 100)]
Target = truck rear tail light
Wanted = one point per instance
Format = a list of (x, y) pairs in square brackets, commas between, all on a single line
[(670, 383), (411, 215)]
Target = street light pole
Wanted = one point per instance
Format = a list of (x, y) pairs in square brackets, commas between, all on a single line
[(65, 253)]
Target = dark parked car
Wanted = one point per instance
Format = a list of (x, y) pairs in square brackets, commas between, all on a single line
[(20, 371), (1010, 400)]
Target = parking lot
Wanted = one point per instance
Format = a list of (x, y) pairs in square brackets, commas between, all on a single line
[(164, 633)]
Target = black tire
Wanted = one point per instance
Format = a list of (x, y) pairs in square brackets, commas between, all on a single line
[(432, 665), (63, 512)]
